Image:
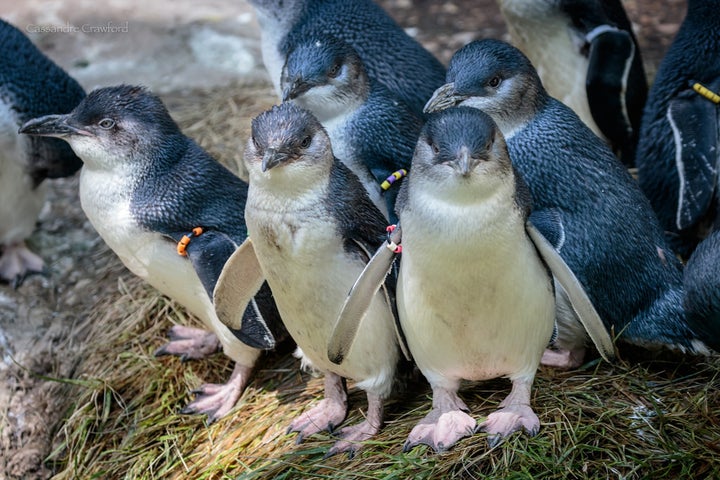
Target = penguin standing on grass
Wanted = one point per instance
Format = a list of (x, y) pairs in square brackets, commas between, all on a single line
[(31, 85), (608, 235), (170, 212), (371, 130), (475, 293), (587, 57), (312, 229), (391, 56), (679, 149)]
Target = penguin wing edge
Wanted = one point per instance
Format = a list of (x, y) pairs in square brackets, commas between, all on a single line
[(240, 280), (694, 123), (359, 298), (576, 293)]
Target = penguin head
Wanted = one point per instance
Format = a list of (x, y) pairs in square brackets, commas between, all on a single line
[(111, 126), (325, 75), (493, 76), (461, 154), (288, 142)]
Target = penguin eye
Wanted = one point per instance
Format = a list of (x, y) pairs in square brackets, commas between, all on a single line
[(306, 142), (435, 148), (494, 82), (334, 71), (106, 123), (255, 143)]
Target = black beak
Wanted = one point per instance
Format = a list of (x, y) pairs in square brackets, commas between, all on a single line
[(272, 158), (444, 97), (52, 126), (295, 88)]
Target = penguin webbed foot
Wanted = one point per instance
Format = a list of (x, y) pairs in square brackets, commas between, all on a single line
[(17, 262), (189, 343), (216, 400), (326, 415), (446, 423), (514, 414), (351, 437), (508, 420)]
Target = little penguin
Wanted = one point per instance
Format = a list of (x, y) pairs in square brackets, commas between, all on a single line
[(477, 301), (679, 147), (30, 85), (391, 56), (312, 229), (371, 130), (587, 56), (608, 234), (169, 211)]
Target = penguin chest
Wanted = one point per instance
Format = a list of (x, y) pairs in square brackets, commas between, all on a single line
[(473, 304), (105, 198), (310, 274), (20, 201)]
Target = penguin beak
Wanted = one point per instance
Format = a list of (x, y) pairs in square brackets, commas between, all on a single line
[(465, 163), (444, 97), (295, 88), (272, 158), (52, 126)]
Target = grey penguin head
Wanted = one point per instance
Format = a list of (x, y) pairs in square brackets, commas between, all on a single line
[(325, 75), (111, 125), (495, 77), (286, 141), (461, 151)]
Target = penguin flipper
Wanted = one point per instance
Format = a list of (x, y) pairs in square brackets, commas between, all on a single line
[(359, 298), (240, 280), (610, 57), (694, 122), (208, 253), (579, 300)]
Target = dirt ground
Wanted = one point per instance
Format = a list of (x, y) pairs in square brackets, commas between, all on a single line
[(177, 49)]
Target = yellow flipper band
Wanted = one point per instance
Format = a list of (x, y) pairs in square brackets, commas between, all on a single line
[(393, 178), (707, 93)]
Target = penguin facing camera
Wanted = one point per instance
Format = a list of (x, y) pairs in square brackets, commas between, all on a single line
[(607, 232), (312, 229)]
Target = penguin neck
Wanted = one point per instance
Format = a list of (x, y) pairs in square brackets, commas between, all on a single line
[(278, 15), (293, 186)]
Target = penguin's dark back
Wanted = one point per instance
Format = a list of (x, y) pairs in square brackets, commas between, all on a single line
[(702, 290), (692, 57), (35, 86), (38, 86), (389, 54), (390, 130), (575, 154), (184, 187)]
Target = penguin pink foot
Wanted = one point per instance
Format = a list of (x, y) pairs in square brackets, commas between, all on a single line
[(446, 423), (17, 261), (515, 414), (351, 437), (216, 400), (189, 343), (326, 415)]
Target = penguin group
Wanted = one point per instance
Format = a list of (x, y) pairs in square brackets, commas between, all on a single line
[(466, 223)]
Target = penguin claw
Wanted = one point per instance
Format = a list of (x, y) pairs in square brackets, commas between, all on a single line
[(324, 416), (507, 420), (17, 263), (441, 430)]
